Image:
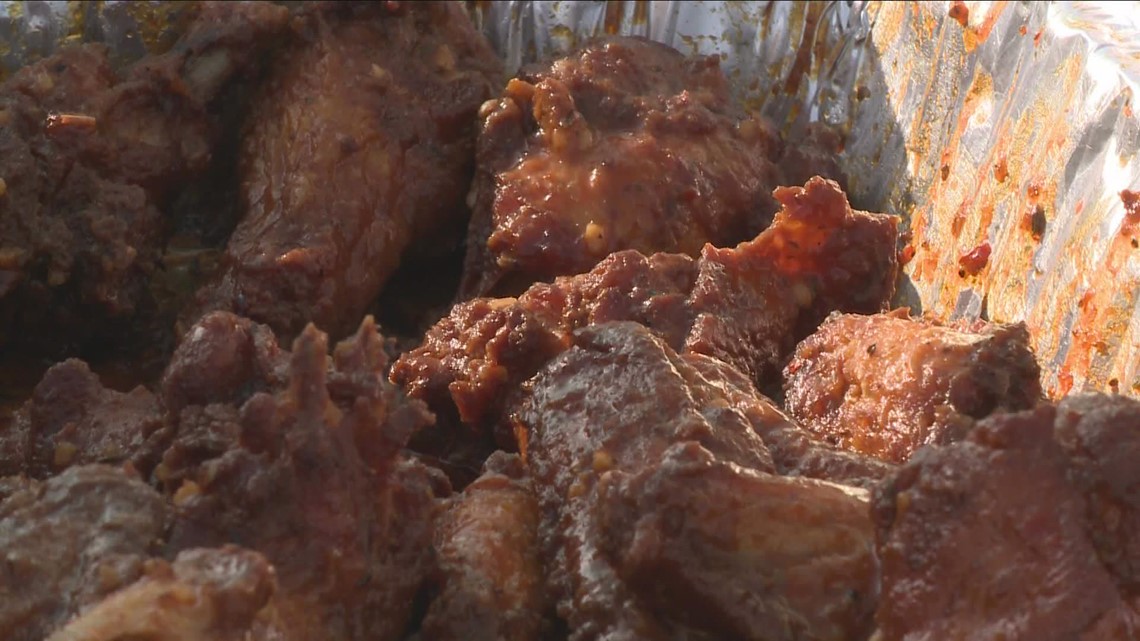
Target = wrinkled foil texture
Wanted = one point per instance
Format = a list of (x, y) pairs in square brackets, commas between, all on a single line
[(1010, 125)]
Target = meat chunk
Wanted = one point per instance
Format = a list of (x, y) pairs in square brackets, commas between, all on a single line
[(88, 160), (205, 595), (316, 482), (795, 451), (741, 554), (746, 305), (360, 152), (223, 359), (221, 362), (1002, 534), (617, 400), (68, 542), (14, 485), (625, 144), (71, 419), (492, 583), (885, 385), (1101, 436)]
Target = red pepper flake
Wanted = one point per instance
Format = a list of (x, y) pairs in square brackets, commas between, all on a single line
[(1085, 299), (1023, 30), (1001, 170), (1131, 200), (975, 260), (1034, 192), (906, 254), (960, 12), (1037, 37)]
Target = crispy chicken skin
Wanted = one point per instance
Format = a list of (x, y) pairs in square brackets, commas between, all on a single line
[(88, 161), (885, 385), (624, 144), (360, 151), (617, 402), (745, 305), (739, 553), (68, 542), (492, 583), (204, 595), (1024, 530)]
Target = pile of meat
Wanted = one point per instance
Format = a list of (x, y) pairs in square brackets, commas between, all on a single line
[(665, 397)]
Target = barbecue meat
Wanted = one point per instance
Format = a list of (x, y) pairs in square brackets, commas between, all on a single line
[(360, 152), (885, 385), (746, 305), (205, 595), (617, 400), (316, 482), (88, 160), (795, 451), (223, 359), (490, 569), (1024, 530), (68, 542), (738, 553), (71, 419), (625, 144), (1101, 436)]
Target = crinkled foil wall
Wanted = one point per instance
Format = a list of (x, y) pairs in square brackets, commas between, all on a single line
[(1006, 126)]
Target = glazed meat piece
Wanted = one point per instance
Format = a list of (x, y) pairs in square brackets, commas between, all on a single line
[(204, 595), (361, 151), (89, 159), (746, 305), (795, 451), (492, 583), (885, 385), (71, 419), (617, 400), (316, 482), (625, 144), (741, 554), (1006, 534), (68, 542)]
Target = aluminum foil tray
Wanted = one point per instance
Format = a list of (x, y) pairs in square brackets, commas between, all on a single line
[(999, 128)]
